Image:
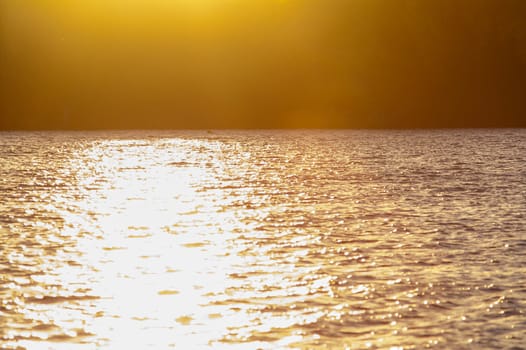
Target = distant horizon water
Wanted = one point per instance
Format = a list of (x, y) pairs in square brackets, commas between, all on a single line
[(263, 239)]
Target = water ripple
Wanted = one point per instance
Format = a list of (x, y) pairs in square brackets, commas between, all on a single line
[(263, 239)]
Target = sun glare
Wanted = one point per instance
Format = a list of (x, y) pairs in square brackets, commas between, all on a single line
[(155, 252)]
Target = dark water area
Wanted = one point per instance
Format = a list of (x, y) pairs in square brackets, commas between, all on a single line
[(263, 239)]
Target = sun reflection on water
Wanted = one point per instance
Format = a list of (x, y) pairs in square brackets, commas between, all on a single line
[(161, 247), (171, 257), (157, 245)]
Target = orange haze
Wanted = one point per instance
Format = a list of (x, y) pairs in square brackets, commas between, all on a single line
[(99, 64)]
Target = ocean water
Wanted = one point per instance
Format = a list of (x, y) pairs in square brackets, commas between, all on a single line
[(263, 240)]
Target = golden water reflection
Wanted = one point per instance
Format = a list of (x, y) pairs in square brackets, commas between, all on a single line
[(161, 247), (166, 245), (211, 242)]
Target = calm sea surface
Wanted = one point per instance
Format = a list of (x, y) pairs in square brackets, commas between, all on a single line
[(263, 240)]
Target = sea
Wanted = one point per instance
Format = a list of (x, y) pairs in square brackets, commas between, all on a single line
[(263, 239)]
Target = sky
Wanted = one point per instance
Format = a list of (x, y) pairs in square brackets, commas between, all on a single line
[(206, 64)]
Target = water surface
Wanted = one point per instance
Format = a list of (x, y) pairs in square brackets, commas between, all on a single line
[(263, 239)]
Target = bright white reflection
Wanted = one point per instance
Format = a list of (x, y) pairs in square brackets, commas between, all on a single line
[(170, 243), (156, 243)]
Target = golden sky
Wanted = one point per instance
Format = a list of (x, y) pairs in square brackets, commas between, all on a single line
[(99, 64)]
